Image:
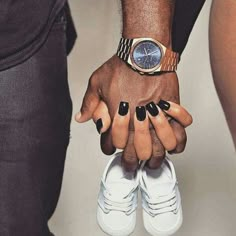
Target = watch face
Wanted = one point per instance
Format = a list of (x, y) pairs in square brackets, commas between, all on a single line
[(147, 55)]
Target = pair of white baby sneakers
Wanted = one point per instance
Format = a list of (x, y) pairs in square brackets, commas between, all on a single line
[(118, 199)]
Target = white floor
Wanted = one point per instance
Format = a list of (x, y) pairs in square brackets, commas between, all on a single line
[(206, 170)]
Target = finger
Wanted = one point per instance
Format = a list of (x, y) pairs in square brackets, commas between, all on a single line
[(120, 126), (102, 118), (130, 160), (90, 101), (106, 143), (180, 135), (162, 127), (158, 152), (142, 137), (177, 112)]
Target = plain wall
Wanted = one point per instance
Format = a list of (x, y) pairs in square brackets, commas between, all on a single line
[(206, 170)]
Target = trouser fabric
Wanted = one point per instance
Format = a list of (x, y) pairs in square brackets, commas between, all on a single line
[(35, 116)]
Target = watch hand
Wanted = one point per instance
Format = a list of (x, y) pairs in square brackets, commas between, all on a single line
[(146, 60), (151, 57), (145, 51), (153, 52)]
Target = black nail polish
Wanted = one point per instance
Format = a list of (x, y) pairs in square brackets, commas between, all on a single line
[(164, 105), (123, 108), (141, 113), (99, 125), (152, 109)]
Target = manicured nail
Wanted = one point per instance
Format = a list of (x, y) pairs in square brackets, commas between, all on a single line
[(164, 105), (152, 109), (141, 113), (123, 108), (99, 125)]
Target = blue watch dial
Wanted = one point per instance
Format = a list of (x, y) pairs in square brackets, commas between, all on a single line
[(147, 55)]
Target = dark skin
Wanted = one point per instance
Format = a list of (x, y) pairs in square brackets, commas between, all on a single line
[(148, 18), (114, 81)]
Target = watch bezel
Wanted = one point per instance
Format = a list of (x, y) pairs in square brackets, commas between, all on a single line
[(133, 60)]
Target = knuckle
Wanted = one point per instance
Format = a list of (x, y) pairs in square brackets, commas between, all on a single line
[(158, 148), (178, 111), (93, 80), (130, 158), (90, 102), (86, 106), (162, 122), (142, 131), (159, 153)]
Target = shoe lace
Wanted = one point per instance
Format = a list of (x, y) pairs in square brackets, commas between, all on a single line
[(126, 204), (160, 204)]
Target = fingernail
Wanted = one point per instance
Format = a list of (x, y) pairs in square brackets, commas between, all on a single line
[(123, 108), (99, 125), (152, 109), (141, 113), (171, 152), (164, 105), (77, 116)]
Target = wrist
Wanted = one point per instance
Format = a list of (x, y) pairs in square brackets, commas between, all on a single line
[(164, 37), (148, 19)]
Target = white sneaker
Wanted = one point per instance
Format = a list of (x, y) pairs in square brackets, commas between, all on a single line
[(117, 200), (162, 210)]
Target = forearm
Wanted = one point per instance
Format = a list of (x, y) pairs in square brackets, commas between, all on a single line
[(223, 56), (148, 18)]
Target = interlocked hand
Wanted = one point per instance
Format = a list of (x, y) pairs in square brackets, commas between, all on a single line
[(136, 124)]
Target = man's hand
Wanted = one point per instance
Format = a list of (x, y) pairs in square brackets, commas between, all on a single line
[(114, 82)]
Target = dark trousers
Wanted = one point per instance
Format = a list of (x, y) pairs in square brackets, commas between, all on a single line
[(35, 116)]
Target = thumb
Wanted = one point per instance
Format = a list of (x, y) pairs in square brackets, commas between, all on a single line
[(90, 102)]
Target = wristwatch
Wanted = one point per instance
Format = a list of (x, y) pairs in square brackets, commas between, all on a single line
[(147, 55)]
